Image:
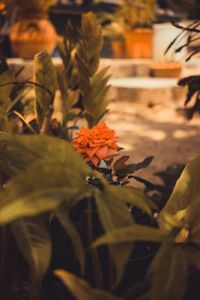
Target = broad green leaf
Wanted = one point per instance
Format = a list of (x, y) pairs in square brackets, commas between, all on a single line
[(33, 239), (192, 221), (187, 188), (192, 213), (62, 214), (169, 222), (13, 156), (41, 188), (81, 289), (114, 213), (45, 75), (132, 233), (132, 196), (26, 149), (168, 274), (57, 174)]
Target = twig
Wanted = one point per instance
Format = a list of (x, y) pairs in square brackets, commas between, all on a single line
[(189, 29), (24, 121)]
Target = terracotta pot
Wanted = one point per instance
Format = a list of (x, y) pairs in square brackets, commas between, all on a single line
[(119, 49), (167, 70), (32, 35), (139, 43)]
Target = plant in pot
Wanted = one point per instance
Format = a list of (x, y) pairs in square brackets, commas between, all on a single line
[(114, 31), (131, 23), (138, 32), (32, 32)]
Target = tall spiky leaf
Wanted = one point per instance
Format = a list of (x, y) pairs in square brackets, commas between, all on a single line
[(91, 42), (92, 84), (46, 78)]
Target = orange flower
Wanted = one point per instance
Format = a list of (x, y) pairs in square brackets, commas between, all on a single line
[(96, 144)]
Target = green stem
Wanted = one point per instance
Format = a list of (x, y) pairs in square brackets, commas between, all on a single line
[(95, 257)]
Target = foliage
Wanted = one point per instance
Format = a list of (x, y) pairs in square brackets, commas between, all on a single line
[(83, 84), (61, 180), (192, 32), (81, 289), (44, 75), (130, 15), (178, 231), (45, 182)]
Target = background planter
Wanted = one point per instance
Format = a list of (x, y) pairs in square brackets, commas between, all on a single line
[(139, 43), (118, 49), (32, 35), (168, 70)]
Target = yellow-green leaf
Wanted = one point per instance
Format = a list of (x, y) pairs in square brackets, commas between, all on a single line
[(33, 239), (44, 75), (132, 233), (187, 188), (114, 213), (81, 289), (168, 274), (57, 174)]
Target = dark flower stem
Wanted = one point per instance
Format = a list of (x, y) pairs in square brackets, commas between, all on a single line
[(94, 253)]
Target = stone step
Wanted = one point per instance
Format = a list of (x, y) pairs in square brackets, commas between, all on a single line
[(146, 90)]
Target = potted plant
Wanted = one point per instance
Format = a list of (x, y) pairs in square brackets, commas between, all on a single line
[(131, 25), (138, 32), (32, 32), (115, 32)]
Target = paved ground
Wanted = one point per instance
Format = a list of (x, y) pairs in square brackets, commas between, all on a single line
[(157, 131)]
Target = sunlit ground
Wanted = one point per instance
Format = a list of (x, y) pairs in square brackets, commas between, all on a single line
[(157, 131)]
